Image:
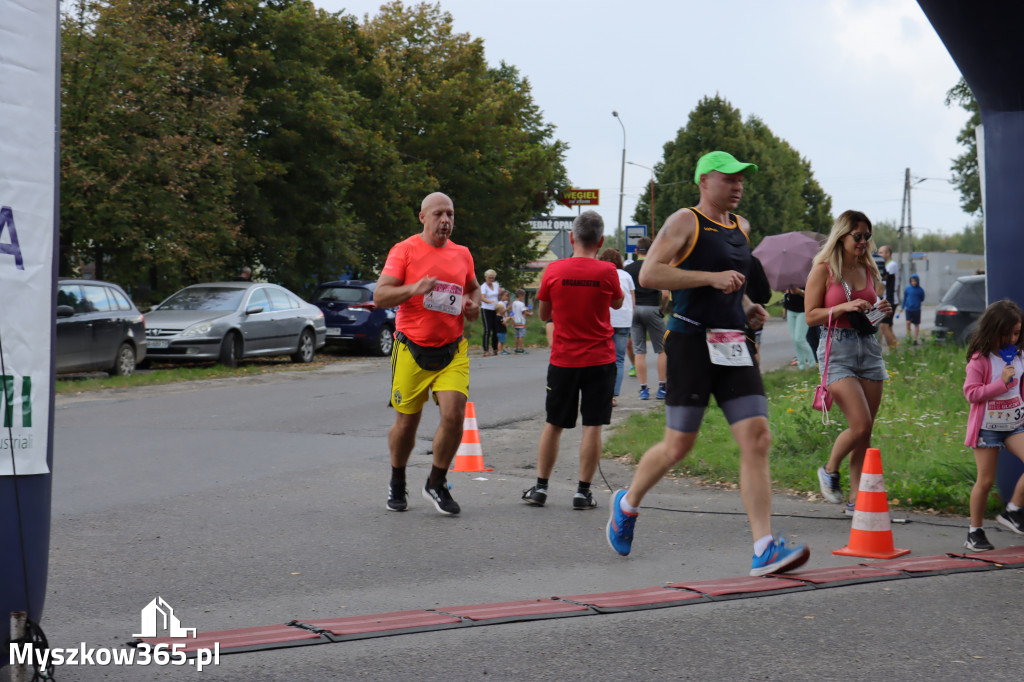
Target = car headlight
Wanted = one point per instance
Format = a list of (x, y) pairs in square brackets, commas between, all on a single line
[(201, 329)]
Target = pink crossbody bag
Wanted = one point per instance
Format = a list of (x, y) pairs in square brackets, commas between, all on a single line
[(822, 398)]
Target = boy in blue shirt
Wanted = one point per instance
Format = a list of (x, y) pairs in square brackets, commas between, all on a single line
[(913, 296)]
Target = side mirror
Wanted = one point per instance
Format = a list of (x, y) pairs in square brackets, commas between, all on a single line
[(253, 309), (65, 311)]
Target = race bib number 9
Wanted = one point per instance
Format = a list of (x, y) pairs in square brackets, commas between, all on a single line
[(444, 298), (728, 347)]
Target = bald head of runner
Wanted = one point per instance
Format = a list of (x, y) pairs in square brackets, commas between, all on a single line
[(437, 213)]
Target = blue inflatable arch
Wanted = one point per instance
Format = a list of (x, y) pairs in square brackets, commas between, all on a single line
[(984, 39)]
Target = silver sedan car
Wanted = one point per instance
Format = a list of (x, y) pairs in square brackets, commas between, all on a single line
[(228, 321)]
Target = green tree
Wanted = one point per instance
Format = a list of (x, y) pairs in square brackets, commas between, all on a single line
[(965, 166), (782, 197), (146, 150), (317, 184), (466, 129)]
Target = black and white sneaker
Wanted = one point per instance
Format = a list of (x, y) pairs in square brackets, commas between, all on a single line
[(583, 499), (397, 500), (977, 542), (535, 496), (1014, 520), (442, 499)]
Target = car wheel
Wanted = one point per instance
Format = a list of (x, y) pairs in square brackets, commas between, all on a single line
[(384, 341), (124, 361), (230, 350), (967, 333), (307, 347)]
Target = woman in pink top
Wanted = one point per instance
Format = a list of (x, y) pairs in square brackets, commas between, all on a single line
[(996, 419), (856, 369)]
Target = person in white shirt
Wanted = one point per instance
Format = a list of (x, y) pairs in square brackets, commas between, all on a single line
[(489, 291), (622, 318), (891, 277)]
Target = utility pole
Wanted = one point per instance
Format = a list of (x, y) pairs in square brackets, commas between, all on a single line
[(622, 178), (906, 233)]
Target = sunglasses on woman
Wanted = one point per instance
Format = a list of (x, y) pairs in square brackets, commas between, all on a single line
[(860, 236)]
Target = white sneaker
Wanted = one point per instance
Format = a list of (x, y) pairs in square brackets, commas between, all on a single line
[(830, 488)]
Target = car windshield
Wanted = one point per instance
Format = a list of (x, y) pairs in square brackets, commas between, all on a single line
[(204, 298), (343, 294)]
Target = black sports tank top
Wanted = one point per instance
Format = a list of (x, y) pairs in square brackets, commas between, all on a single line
[(715, 248)]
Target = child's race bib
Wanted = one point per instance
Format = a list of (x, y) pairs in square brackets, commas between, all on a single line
[(728, 347), (1003, 415), (444, 298)]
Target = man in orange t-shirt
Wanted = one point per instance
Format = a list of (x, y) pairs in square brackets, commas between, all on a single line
[(432, 281)]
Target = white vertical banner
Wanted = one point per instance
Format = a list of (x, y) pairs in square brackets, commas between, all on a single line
[(28, 177)]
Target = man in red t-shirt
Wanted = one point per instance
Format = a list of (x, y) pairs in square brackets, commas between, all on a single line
[(432, 281), (576, 294)]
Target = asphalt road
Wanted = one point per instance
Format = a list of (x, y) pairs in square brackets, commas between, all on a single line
[(256, 501)]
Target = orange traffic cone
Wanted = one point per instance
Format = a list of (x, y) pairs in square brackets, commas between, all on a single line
[(470, 456), (871, 535)]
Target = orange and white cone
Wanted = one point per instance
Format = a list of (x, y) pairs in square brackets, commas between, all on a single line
[(871, 535), (470, 455)]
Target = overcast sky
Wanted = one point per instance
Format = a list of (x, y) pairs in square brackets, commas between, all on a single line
[(857, 87)]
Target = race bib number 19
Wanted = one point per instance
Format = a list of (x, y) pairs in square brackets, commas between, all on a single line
[(728, 347), (444, 298)]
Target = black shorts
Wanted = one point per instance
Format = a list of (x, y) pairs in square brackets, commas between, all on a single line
[(693, 379), (583, 390)]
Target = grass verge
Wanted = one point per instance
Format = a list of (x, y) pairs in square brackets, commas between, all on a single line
[(919, 431)]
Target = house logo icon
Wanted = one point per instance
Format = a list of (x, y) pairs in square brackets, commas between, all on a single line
[(158, 616)]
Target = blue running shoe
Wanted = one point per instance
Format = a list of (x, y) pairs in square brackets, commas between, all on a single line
[(778, 558), (645, 393), (620, 526), (661, 393)]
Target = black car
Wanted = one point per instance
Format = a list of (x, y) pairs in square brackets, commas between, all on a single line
[(958, 313), (98, 328), (352, 318)]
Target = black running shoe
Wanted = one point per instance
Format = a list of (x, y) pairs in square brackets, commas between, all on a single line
[(535, 496), (442, 499), (397, 500), (977, 542), (583, 499), (1014, 520)]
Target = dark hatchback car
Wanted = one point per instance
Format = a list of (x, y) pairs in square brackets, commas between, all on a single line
[(958, 313), (352, 318), (98, 328)]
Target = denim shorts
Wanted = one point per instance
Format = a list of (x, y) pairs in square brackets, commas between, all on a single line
[(995, 439), (852, 355)]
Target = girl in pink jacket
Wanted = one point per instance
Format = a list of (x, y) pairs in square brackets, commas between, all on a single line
[(993, 388)]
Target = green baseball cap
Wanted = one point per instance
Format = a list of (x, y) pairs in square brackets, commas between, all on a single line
[(723, 162)]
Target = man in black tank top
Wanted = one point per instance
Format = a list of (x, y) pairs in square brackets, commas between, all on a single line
[(702, 254)]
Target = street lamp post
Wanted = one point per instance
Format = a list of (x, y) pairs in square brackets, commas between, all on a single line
[(640, 165), (622, 178)]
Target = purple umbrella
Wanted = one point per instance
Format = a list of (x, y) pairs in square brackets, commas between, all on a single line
[(786, 258)]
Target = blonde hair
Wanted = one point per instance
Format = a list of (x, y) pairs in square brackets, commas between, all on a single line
[(831, 252)]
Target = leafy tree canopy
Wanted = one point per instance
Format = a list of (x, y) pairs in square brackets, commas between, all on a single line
[(202, 135), (782, 197), (965, 166), (148, 153)]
